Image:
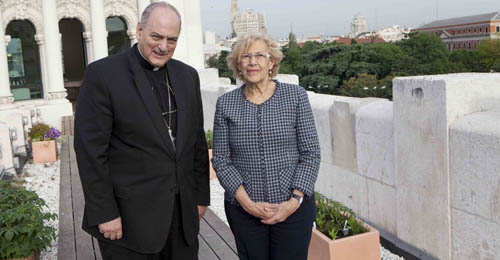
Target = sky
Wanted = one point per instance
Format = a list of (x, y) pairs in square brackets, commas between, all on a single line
[(333, 17)]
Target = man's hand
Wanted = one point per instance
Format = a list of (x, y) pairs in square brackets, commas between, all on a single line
[(282, 212), (201, 211), (112, 229)]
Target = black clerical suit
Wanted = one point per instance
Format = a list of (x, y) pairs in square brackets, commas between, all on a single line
[(128, 165)]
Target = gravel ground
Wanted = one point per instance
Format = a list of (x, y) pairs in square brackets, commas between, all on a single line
[(217, 206), (44, 180)]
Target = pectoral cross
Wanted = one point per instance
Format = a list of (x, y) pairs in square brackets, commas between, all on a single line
[(172, 138)]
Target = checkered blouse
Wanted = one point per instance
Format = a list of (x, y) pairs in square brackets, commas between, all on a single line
[(270, 149)]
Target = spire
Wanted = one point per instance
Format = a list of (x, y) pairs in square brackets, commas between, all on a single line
[(235, 10)]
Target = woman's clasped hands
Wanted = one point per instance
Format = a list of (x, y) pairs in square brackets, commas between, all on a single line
[(267, 212)]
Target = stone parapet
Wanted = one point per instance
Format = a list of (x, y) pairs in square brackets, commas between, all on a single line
[(419, 168), (475, 185)]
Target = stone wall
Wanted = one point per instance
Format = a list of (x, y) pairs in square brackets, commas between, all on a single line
[(423, 168), (475, 186), (15, 123)]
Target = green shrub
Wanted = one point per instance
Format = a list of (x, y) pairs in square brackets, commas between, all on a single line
[(37, 131), (23, 228), (209, 135), (336, 220)]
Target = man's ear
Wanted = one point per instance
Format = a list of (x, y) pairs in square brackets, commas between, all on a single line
[(138, 31)]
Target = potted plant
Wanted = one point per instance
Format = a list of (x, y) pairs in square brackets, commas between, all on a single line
[(339, 235), (23, 229), (43, 142), (209, 135)]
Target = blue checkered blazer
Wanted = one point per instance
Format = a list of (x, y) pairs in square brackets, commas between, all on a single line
[(270, 149)]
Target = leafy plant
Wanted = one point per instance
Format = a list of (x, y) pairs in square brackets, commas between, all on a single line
[(43, 132), (209, 135), (336, 220), (23, 228)]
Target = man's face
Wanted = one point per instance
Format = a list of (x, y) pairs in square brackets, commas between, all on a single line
[(158, 38)]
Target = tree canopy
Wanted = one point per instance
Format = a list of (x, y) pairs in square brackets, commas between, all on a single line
[(368, 69)]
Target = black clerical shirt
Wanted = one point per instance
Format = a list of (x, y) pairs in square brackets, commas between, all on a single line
[(157, 79)]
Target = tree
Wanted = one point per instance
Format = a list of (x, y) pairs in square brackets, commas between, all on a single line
[(292, 40), (218, 61), (489, 54), (365, 85), (466, 61), (430, 52)]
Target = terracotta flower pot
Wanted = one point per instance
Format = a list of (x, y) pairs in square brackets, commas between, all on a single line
[(212, 171), (44, 151), (364, 246)]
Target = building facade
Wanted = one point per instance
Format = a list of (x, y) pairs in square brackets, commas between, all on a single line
[(247, 21), (48, 44), (358, 26), (465, 32), (393, 33)]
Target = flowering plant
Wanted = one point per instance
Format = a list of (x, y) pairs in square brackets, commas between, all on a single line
[(43, 132), (53, 134), (335, 220)]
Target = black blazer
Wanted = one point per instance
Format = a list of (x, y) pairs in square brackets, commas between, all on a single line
[(125, 158)]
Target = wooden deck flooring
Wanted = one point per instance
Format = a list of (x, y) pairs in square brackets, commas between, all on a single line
[(215, 237)]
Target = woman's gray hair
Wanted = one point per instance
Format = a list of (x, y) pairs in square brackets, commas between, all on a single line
[(244, 43), (149, 9)]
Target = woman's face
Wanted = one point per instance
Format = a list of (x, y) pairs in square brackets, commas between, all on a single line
[(255, 63)]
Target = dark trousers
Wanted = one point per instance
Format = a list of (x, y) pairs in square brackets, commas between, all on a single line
[(288, 240), (175, 248)]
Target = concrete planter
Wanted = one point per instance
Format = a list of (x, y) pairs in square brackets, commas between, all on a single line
[(44, 151), (212, 171), (364, 246)]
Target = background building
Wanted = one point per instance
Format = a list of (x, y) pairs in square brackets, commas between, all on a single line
[(246, 22), (358, 26), (465, 32), (393, 33), (46, 46)]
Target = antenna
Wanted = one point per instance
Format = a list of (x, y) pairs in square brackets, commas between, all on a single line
[(437, 9)]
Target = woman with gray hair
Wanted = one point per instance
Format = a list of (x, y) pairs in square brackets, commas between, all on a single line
[(266, 155)]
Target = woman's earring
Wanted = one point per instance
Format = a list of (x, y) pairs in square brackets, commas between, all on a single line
[(270, 73)]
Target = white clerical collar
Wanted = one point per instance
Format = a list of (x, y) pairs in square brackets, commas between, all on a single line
[(154, 68)]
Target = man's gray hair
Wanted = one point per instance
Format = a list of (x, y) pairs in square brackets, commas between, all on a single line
[(149, 9)]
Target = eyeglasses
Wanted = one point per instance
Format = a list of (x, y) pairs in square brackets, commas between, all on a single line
[(259, 56)]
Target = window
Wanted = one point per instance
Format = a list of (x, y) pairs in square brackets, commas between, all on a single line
[(469, 45), (73, 51), (480, 29), (498, 28), (23, 59), (118, 40), (486, 29)]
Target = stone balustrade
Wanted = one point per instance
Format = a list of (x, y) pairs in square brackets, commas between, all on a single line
[(422, 168)]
